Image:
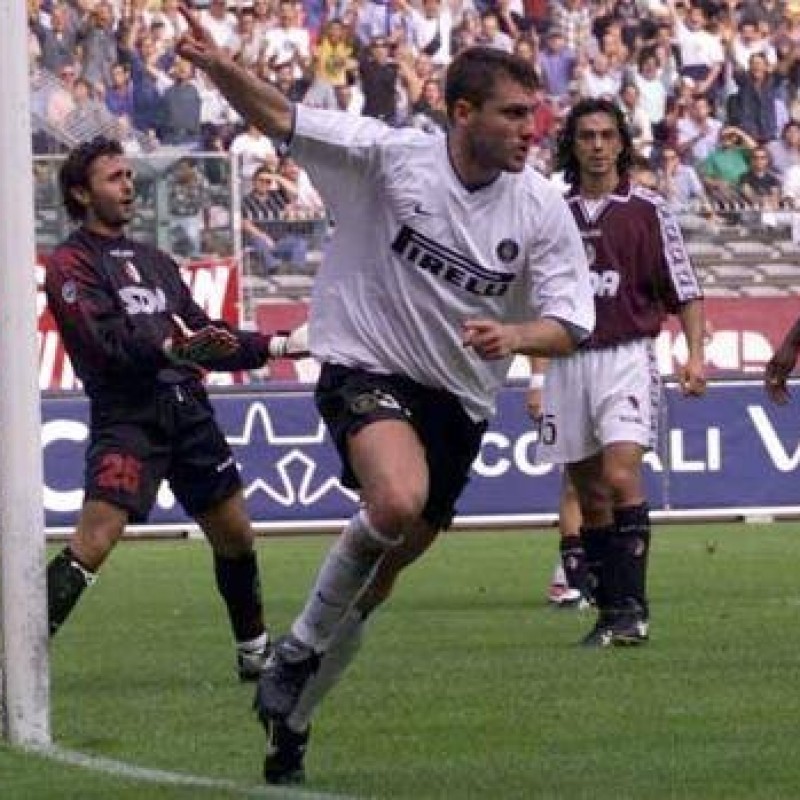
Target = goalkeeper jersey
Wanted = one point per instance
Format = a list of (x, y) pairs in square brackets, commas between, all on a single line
[(112, 299), (415, 253)]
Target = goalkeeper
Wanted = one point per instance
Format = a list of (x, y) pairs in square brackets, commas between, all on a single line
[(141, 345)]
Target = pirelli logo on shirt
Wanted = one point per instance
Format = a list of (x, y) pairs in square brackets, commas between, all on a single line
[(451, 267)]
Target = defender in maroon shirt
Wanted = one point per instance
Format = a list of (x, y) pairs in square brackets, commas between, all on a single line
[(140, 344), (601, 403)]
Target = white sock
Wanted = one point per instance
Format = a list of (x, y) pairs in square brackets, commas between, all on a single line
[(256, 645), (341, 651), (345, 572)]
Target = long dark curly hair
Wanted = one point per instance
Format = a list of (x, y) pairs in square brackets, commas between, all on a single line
[(74, 173), (565, 145)]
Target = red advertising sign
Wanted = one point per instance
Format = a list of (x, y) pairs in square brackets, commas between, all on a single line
[(743, 333)]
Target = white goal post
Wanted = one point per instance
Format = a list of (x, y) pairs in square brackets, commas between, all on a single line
[(24, 690)]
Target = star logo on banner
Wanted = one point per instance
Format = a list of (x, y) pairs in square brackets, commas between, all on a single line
[(293, 469)]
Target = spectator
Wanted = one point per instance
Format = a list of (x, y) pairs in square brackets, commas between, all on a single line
[(723, 169), (702, 54), (784, 152), (58, 41), (380, 80), (430, 111), (431, 28), (59, 102), (652, 92), (217, 119), (349, 97), (599, 80), (754, 107), (334, 54), (557, 64), (262, 208), (247, 43), (87, 114), (636, 119), (305, 201), (182, 107), (150, 80), (748, 42), (573, 20), (252, 148), (491, 35), (265, 16), (791, 187), (287, 82), (119, 94), (171, 22), (668, 55), (380, 18), (665, 133), (683, 191), (760, 186), (98, 41), (289, 42), (698, 132), (187, 193), (220, 23)]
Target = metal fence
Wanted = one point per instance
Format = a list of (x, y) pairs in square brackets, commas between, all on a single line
[(189, 205)]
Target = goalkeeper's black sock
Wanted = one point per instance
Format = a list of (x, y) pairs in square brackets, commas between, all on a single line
[(66, 580), (240, 587)]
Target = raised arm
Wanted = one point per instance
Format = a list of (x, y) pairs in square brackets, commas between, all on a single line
[(255, 100)]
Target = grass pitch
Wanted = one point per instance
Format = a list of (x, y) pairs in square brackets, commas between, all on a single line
[(468, 686)]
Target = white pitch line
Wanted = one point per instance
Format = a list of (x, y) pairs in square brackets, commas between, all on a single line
[(121, 769)]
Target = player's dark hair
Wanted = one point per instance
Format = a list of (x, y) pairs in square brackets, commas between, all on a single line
[(74, 172), (473, 73), (565, 145)]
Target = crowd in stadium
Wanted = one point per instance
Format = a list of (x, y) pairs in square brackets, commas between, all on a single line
[(710, 89)]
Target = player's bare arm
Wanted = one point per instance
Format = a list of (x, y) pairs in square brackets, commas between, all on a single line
[(692, 375), (255, 100), (494, 340), (780, 366)]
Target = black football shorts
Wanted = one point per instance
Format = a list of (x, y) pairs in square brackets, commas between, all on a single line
[(348, 399)]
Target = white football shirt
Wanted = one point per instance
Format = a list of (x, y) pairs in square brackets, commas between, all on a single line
[(415, 254)]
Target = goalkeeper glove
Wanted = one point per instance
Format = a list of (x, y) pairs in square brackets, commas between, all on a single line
[(199, 347), (290, 344)]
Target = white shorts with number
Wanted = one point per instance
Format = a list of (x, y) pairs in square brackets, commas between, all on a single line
[(595, 397)]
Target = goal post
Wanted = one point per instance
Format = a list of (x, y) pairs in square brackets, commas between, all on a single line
[(25, 690)]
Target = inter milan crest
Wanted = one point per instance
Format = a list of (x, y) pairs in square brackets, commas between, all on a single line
[(507, 250)]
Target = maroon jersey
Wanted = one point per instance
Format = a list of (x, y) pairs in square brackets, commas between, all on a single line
[(113, 299), (640, 267)]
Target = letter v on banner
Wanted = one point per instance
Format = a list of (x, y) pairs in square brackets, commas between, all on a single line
[(782, 460)]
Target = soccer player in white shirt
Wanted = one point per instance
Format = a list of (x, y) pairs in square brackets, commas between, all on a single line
[(450, 255)]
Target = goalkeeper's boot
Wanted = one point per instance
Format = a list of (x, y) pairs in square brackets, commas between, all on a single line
[(251, 658), (289, 667), (286, 750)]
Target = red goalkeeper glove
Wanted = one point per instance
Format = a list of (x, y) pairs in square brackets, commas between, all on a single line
[(199, 347)]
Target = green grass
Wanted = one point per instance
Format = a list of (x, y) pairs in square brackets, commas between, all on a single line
[(468, 685)]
